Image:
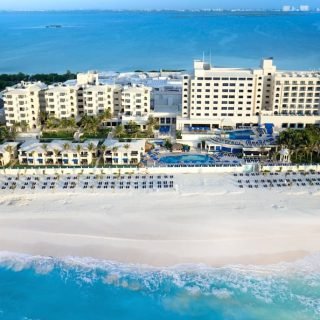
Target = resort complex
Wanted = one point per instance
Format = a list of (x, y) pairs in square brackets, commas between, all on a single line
[(118, 118)]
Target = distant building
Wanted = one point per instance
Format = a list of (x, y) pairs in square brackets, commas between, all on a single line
[(287, 8), (304, 8)]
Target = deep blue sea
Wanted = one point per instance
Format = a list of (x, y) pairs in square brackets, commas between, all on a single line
[(122, 41), (44, 288)]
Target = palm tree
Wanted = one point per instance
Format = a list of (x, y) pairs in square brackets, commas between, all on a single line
[(105, 116), (126, 146), (66, 146), (152, 123), (45, 147), (119, 131), (103, 149), (92, 149), (52, 123), (133, 128), (4, 133), (79, 149), (115, 149), (24, 126), (56, 153)]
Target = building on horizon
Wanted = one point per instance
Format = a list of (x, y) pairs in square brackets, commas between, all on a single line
[(287, 8), (304, 8)]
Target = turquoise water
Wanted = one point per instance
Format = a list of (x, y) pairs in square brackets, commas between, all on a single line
[(72, 288), (187, 158), (135, 40), (240, 134)]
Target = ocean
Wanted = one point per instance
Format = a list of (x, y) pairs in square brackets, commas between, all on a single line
[(45, 288), (128, 41)]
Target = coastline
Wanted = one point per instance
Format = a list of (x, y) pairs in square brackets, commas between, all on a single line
[(207, 220)]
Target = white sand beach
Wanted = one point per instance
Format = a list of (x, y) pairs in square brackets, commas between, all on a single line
[(208, 219)]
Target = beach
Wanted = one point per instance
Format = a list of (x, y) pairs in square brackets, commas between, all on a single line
[(207, 219)]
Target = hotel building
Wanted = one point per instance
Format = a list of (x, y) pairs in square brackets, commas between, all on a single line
[(136, 101), (123, 152), (58, 152), (62, 101), (227, 97), (23, 103), (99, 98)]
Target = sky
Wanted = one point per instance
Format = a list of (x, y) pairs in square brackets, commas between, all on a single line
[(148, 4)]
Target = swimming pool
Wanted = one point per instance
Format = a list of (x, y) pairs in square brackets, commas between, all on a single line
[(240, 135), (187, 158)]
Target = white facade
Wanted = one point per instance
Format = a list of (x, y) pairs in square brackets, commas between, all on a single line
[(23, 103), (304, 8), (99, 98), (90, 77), (296, 93), (226, 97), (136, 101), (123, 152), (226, 92), (62, 101), (57, 152), (287, 8)]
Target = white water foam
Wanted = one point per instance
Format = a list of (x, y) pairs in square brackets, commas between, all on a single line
[(267, 284)]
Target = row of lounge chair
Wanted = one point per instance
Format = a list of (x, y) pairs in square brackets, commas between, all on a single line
[(272, 180), (25, 183)]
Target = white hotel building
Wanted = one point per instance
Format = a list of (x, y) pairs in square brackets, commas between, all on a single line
[(206, 99), (227, 97), (23, 103), (99, 98), (61, 101)]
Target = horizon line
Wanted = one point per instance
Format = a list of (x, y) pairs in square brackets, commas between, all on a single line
[(163, 9)]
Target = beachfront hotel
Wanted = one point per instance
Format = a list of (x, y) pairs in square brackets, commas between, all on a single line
[(126, 153), (23, 102), (200, 101), (62, 101), (57, 152), (99, 98), (228, 97)]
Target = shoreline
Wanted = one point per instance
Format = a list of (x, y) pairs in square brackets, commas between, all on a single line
[(208, 220)]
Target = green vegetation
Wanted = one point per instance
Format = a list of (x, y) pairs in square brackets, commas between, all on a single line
[(60, 134), (7, 80), (90, 127), (133, 130), (178, 134), (303, 145), (168, 144), (100, 134)]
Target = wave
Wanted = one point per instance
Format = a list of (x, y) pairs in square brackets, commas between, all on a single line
[(186, 275), (294, 286)]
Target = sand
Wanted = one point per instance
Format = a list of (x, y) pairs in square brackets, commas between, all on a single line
[(206, 220)]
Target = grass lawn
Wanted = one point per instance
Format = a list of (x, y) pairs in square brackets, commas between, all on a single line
[(57, 134)]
